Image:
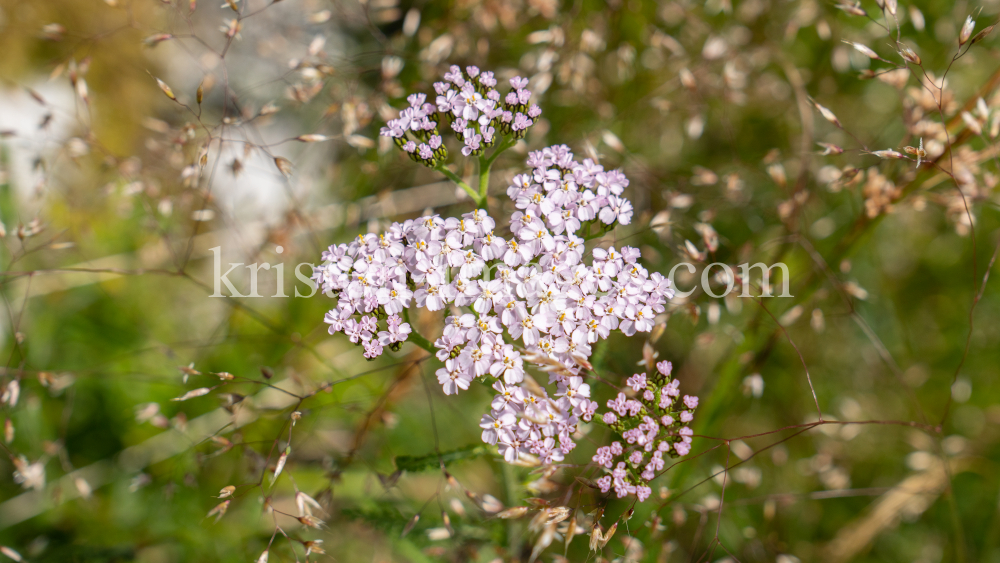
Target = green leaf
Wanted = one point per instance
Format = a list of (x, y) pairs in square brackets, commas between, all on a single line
[(421, 462), (381, 516)]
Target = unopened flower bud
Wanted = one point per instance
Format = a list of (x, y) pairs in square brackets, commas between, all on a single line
[(966, 33), (863, 49), (909, 55)]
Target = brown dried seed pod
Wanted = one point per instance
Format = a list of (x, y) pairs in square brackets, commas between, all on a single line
[(827, 114), (284, 165), (982, 34), (596, 538), (512, 513), (311, 521), (609, 534), (409, 525), (909, 55), (166, 89), (571, 530)]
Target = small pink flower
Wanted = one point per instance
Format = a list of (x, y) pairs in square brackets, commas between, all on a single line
[(603, 457), (634, 407), (604, 483), (619, 404), (673, 388), (373, 349), (656, 463), (643, 492), (637, 382), (619, 472)]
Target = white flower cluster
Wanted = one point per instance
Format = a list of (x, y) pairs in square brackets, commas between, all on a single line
[(567, 194), (473, 104), (371, 282), (530, 297), (524, 421), (543, 293), (651, 425), (537, 289)]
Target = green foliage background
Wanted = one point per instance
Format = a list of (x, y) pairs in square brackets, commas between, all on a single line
[(119, 336)]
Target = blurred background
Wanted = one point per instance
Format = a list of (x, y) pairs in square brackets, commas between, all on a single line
[(120, 196)]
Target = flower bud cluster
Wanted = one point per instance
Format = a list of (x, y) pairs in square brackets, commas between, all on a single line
[(652, 425), (478, 114)]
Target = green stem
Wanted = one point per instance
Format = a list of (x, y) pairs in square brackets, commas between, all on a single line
[(415, 336), (485, 163), (504, 145), (956, 523), (484, 177), (513, 499), (949, 493), (461, 183)]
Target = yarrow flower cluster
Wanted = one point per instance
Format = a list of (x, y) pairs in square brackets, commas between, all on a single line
[(567, 194), (542, 291), (538, 296), (524, 421), (371, 284), (478, 115), (651, 425)]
